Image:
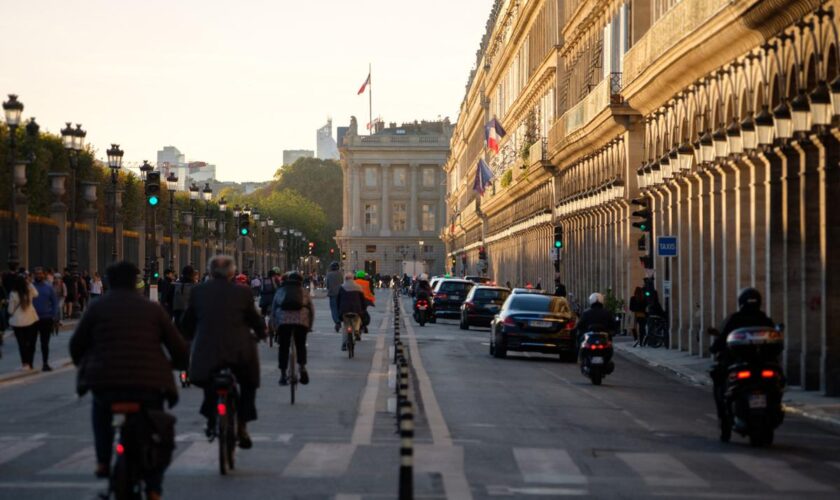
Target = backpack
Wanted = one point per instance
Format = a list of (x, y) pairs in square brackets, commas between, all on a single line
[(267, 291), (181, 297), (293, 299)]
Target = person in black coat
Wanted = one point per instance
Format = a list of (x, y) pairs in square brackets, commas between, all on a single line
[(225, 326), (596, 318), (351, 306), (120, 346)]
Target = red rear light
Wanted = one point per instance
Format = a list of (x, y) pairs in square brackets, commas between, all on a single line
[(183, 375), (221, 409), (742, 375), (570, 325), (422, 303), (508, 321), (120, 449), (469, 305), (768, 374)]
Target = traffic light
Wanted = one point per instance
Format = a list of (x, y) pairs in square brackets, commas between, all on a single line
[(311, 247), (343, 255), (647, 261), (153, 188), (156, 275), (646, 222), (558, 237), (482, 253), (244, 225), (332, 252)]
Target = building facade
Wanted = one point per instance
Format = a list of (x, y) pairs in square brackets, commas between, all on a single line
[(326, 147), (291, 155), (394, 197), (722, 117)]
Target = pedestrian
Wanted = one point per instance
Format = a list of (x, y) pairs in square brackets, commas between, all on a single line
[(256, 282), (48, 310), (181, 294), (70, 295), (334, 280), (23, 319), (508, 285), (126, 349), (293, 315), (60, 290), (95, 286), (638, 307), (559, 287), (267, 291)]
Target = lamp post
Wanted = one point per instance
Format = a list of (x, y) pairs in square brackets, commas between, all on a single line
[(145, 168), (115, 156), (222, 215), (73, 141), (193, 197), (269, 259), (13, 110), (207, 194), (172, 186), (256, 216)]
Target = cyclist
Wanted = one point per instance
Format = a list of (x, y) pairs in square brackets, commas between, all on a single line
[(224, 326), (267, 290), (351, 306), (117, 347), (293, 315), (370, 298)]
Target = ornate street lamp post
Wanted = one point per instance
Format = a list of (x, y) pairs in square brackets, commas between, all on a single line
[(207, 194), (172, 186), (115, 157), (222, 216), (145, 168), (13, 110), (73, 141), (194, 194)]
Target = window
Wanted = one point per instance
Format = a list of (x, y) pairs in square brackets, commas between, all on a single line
[(370, 176), (399, 217), (428, 217), (399, 177), (428, 177), (370, 248), (428, 249), (371, 219)]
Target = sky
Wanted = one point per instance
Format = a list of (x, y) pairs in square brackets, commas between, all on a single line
[(233, 83)]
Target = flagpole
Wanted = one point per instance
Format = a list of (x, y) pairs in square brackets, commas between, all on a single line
[(370, 101)]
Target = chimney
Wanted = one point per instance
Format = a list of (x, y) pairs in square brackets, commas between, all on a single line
[(379, 126)]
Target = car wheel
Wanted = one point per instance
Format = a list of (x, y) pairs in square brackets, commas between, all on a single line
[(499, 350), (463, 325)]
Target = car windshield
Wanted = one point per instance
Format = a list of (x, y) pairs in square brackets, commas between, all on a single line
[(540, 303), (490, 294)]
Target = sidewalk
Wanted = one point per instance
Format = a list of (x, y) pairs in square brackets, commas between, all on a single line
[(59, 354), (694, 370)]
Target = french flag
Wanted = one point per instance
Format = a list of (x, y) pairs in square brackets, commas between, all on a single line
[(493, 133), (483, 177)]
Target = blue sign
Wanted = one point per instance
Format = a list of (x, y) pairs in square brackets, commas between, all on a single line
[(666, 246)]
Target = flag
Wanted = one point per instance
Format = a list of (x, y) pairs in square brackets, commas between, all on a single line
[(375, 121), (364, 85), (483, 177), (493, 133)]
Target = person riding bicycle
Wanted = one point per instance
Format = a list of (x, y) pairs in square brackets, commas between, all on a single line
[(351, 306), (293, 315), (225, 327), (267, 290), (370, 298), (117, 347), (596, 318)]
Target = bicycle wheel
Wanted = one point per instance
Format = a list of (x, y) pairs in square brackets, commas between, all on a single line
[(222, 437), (293, 370), (231, 437), (351, 344), (123, 483)]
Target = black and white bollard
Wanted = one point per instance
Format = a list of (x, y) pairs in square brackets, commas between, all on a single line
[(406, 488)]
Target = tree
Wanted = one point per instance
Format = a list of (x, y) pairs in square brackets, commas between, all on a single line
[(319, 181)]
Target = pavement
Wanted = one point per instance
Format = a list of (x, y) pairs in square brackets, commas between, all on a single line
[(528, 426), (695, 370), (10, 368)]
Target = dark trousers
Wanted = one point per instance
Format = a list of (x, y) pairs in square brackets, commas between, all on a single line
[(284, 338), (103, 428), (26, 337), (46, 327), (641, 326), (246, 401)]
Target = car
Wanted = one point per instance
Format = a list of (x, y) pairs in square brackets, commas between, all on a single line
[(518, 291), (481, 305), (482, 280), (536, 323), (449, 294)]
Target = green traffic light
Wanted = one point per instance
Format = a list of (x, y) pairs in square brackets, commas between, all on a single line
[(643, 227), (647, 294), (157, 275), (558, 244), (244, 231), (154, 200)]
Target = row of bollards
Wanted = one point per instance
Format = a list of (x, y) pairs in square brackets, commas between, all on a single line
[(405, 412)]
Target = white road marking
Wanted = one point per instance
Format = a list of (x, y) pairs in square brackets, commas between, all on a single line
[(10, 450), (81, 462), (345, 496), (661, 469), (547, 466), (321, 460), (58, 485), (200, 457), (363, 429), (495, 490), (776, 474)]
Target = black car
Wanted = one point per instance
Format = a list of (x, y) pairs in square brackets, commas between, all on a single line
[(481, 280), (534, 322), (482, 305), (449, 294)]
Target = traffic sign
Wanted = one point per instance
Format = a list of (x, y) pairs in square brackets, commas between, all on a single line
[(666, 246)]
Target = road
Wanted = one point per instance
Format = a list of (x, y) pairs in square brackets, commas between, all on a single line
[(525, 427)]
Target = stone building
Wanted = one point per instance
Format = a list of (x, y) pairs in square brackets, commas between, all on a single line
[(394, 197), (724, 116)]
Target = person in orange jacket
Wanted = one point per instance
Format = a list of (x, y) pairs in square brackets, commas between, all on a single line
[(370, 298)]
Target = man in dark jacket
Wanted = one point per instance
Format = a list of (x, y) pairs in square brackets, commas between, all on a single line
[(267, 290), (117, 346), (46, 305), (334, 279), (225, 327), (596, 318), (350, 302)]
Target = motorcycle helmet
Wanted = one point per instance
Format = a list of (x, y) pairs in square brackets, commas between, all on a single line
[(749, 297), (424, 277), (596, 298), (360, 275)]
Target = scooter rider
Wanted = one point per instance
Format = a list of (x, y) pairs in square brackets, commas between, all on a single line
[(596, 318), (749, 313)]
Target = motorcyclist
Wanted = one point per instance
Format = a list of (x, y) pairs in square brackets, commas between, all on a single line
[(749, 313), (423, 291), (595, 319)]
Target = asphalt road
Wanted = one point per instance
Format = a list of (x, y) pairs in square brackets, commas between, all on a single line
[(524, 427)]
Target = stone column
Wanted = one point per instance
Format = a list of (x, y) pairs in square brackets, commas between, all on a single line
[(707, 258), (384, 186), (830, 289), (58, 213), (792, 316), (414, 186), (141, 246), (693, 233), (743, 221), (119, 239), (683, 282), (89, 216), (718, 269), (354, 199)]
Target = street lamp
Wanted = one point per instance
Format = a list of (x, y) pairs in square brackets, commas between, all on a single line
[(73, 141), (222, 215), (194, 194), (13, 109), (172, 186), (115, 157), (207, 195)]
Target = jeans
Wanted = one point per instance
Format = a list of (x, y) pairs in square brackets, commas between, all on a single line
[(103, 429), (334, 309), (284, 338), (45, 330), (26, 337)]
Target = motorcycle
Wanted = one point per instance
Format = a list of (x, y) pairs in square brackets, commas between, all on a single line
[(754, 383), (595, 356), (421, 311)]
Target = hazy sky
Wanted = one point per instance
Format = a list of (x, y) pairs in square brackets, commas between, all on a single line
[(233, 82)]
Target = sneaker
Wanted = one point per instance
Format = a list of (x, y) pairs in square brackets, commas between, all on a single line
[(210, 428), (337, 327), (283, 380), (46, 368), (244, 438), (304, 376)]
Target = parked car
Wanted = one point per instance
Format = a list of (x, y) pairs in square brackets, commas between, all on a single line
[(482, 280), (534, 322), (449, 294), (481, 305), (519, 291)]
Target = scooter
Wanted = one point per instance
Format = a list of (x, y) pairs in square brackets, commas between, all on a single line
[(421, 311), (595, 356), (754, 384)]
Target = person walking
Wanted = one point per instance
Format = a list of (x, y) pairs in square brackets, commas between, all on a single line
[(60, 290), (48, 310), (638, 306), (23, 319), (126, 349), (334, 280), (181, 294), (96, 286), (293, 315)]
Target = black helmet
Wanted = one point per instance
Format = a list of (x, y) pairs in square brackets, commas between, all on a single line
[(294, 276), (749, 297)]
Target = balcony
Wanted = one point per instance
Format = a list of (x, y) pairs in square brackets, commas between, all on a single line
[(604, 94)]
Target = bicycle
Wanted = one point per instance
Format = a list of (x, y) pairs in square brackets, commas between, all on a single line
[(225, 429), (657, 332), (351, 335)]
